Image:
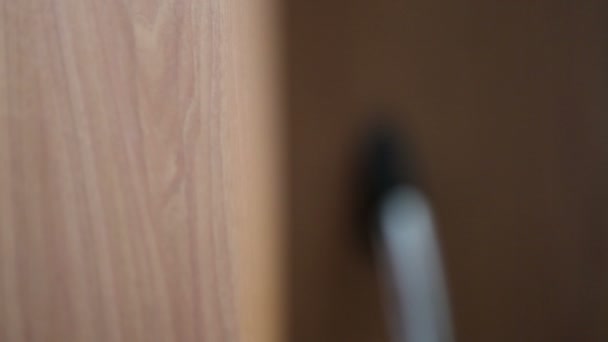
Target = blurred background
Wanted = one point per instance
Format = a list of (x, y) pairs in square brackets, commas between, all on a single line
[(506, 105)]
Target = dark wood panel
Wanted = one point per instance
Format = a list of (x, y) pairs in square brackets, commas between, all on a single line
[(506, 105)]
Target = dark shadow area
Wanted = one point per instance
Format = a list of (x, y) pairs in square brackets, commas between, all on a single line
[(506, 107)]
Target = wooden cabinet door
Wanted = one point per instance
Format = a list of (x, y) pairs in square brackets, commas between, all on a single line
[(506, 106), (137, 171)]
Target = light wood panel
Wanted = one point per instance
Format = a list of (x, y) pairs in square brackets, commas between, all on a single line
[(505, 103), (139, 146)]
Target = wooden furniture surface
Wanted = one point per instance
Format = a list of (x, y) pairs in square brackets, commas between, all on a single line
[(181, 170), (506, 105), (138, 171)]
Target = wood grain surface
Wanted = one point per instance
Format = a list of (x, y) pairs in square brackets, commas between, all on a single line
[(139, 170), (506, 105)]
